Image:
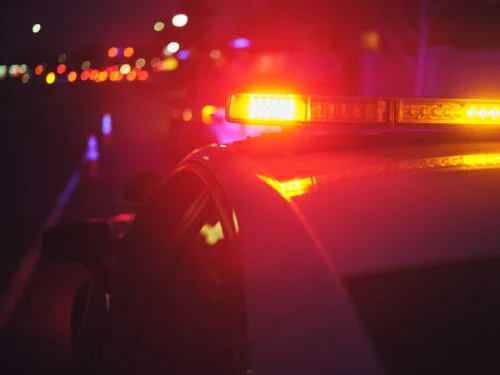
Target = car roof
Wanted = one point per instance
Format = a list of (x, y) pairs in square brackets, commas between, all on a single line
[(391, 206)]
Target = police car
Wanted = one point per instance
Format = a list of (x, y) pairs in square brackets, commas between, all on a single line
[(362, 239)]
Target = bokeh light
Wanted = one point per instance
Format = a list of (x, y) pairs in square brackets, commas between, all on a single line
[(25, 78), (155, 62), (171, 48), (215, 54), (179, 20), (143, 75), (13, 70), (23, 68), (86, 65), (113, 52), (125, 69), (85, 75), (128, 52), (114, 76), (183, 55), (140, 62), (3, 71), (187, 114), (39, 69), (131, 75), (103, 76), (61, 58), (170, 63), (72, 76), (36, 28), (240, 43), (50, 78), (159, 26), (61, 68)]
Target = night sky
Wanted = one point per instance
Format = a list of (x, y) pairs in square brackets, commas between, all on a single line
[(67, 24)]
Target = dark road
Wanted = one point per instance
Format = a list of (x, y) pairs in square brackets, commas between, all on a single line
[(41, 152)]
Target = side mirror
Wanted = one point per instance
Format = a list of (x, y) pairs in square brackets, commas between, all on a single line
[(83, 242), (139, 185)]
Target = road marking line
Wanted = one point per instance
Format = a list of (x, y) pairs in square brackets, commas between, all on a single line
[(25, 270)]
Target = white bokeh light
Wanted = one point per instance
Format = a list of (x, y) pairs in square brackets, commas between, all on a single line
[(179, 20), (171, 48)]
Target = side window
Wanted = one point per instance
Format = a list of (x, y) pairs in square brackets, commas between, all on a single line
[(197, 324), (161, 215), (205, 285)]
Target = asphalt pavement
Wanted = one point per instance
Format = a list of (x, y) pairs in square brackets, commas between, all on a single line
[(45, 183)]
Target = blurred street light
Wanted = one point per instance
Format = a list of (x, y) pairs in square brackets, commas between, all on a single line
[(128, 52), (179, 20), (50, 78), (140, 62), (72, 76), (113, 52), (171, 48), (183, 55), (240, 43), (61, 68), (36, 28), (159, 26), (125, 69)]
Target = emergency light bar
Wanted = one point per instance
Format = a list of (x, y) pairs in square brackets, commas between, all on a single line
[(283, 109), (291, 110), (448, 111)]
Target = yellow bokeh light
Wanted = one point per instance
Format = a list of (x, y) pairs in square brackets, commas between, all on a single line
[(50, 78), (103, 76), (114, 76), (36, 28), (207, 112), (159, 26), (170, 63)]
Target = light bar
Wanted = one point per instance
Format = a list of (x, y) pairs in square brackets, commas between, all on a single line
[(448, 112), (267, 108), (272, 109), (277, 109), (349, 110)]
